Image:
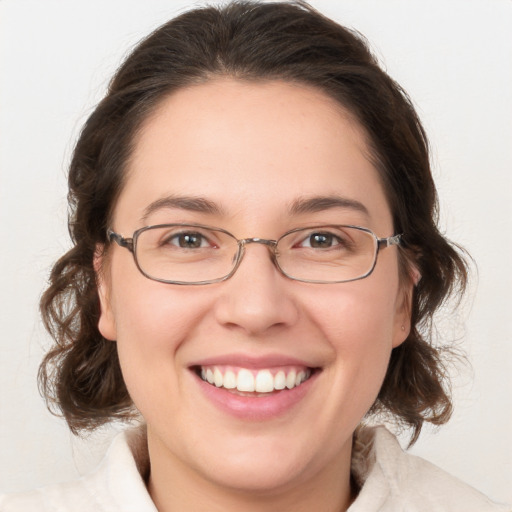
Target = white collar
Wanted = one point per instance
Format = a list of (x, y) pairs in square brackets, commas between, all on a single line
[(391, 480)]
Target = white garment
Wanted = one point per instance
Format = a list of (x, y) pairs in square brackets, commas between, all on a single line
[(392, 481)]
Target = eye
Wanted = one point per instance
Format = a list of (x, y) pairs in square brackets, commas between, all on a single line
[(188, 240), (320, 240)]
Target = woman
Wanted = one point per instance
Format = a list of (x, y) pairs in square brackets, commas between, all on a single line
[(255, 264)]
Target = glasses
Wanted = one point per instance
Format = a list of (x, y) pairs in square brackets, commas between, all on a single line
[(193, 254)]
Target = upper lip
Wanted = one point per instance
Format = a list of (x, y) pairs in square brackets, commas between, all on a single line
[(252, 362)]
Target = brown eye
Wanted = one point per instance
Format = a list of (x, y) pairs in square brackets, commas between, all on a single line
[(320, 240), (188, 240)]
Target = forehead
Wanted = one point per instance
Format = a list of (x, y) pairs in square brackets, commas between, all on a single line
[(249, 148)]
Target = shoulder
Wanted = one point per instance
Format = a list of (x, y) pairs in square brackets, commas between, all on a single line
[(394, 480), (117, 485), (74, 496)]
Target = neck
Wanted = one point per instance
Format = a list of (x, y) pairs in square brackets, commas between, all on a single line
[(175, 486)]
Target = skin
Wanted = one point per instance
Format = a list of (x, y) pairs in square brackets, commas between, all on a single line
[(252, 149)]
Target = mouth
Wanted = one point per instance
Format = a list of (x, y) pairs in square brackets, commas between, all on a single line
[(254, 382), (256, 389)]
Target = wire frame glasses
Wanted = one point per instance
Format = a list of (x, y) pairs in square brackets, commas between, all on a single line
[(193, 254)]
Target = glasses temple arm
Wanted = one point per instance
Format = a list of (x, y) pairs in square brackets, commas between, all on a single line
[(391, 240), (123, 242)]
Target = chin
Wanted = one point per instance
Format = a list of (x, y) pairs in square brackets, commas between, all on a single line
[(265, 464), (260, 475)]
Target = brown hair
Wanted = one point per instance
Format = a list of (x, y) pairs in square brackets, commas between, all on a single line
[(81, 375)]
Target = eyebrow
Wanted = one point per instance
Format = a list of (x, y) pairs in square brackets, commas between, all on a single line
[(189, 203), (298, 206), (320, 203)]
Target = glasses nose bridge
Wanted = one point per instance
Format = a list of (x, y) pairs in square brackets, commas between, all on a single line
[(270, 244)]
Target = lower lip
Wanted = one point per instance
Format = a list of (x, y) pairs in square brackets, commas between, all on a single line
[(257, 408)]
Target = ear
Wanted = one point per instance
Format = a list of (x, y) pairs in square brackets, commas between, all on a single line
[(106, 322), (402, 327)]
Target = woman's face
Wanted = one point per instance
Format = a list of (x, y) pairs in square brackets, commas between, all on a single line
[(251, 152)]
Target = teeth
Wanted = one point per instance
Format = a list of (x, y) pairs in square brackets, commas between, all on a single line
[(262, 381), (290, 379), (245, 381), (229, 380), (217, 378), (280, 380)]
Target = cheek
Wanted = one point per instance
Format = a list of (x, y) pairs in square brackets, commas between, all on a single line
[(356, 316), (358, 322), (149, 316), (360, 335), (153, 321)]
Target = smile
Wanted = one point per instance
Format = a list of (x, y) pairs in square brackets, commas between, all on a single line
[(254, 381), (255, 389)]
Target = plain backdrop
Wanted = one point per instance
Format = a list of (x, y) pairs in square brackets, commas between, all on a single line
[(455, 60)]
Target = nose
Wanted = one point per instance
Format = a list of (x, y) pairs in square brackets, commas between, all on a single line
[(257, 297)]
